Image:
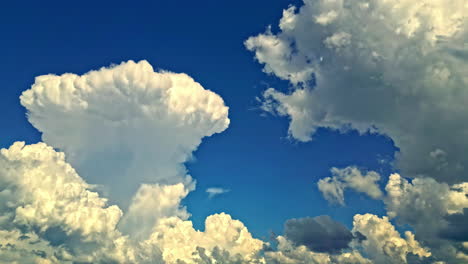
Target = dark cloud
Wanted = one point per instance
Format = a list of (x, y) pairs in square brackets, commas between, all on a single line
[(321, 233), (457, 227)]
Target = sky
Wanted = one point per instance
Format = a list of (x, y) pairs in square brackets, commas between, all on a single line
[(312, 131)]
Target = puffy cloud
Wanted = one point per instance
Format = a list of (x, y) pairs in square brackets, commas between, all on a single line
[(433, 209), (224, 239), (287, 253), (383, 243), (44, 197), (125, 125), (152, 203), (320, 234), (333, 187), (213, 191), (50, 215), (393, 67), (25, 248)]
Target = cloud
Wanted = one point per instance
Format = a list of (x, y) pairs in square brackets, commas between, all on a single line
[(223, 238), (320, 234), (383, 243), (457, 227), (130, 129), (431, 209), (125, 125), (213, 191), (396, 68), (287, 253), (44, 199), (50, 214), (333, 187)]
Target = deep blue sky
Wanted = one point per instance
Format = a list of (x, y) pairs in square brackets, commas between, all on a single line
[(271, 178)]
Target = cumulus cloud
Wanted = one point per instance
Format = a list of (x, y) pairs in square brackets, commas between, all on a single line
[(320, 234), (288, 253), (383, 243), (125, 125), (50, 214), (223, 238), (333, 187), (432, 209), (130, 129), (213, 191), (44, 197), (392, 67)]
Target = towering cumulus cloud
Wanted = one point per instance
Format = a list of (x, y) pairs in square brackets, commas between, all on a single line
[(125, 125), (396, 67), (128, 129)]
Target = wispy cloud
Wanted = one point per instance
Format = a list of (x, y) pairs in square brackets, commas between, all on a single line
[(213, 191)]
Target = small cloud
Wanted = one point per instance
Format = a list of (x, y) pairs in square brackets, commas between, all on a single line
[(213, 191)]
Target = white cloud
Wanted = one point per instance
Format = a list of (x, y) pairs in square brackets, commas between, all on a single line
[(180, 241), (213, 191), (54, 216), (43, 196), (393, 67), (333, 187), (383, 243), (152, 203), (125, 125)]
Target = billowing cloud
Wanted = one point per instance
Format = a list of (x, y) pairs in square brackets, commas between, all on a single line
[(223, 236), (320, 234), (431, 209), (125, 125), (52, 215), (333, 187), (213, 191), (392, 67), (44, 197), (383, 243), (288, 253), (130, 129)]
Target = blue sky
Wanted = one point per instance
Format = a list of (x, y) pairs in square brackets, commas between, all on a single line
[(271, 176)]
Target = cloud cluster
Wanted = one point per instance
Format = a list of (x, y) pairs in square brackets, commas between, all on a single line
[(125, 125), (126, 128), (378, 241), (333, 187), (392, 67), (50, 214), (431, 209)]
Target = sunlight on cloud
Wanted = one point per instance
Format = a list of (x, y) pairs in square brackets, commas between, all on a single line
[(125, 125)]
